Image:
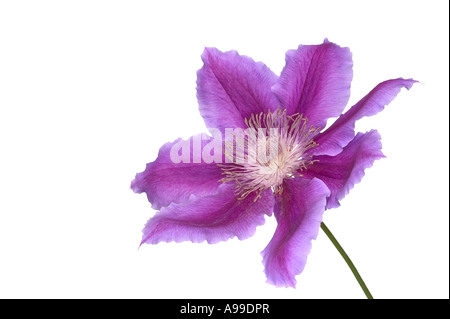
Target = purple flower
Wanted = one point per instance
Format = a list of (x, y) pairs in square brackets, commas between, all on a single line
[(310, 169)]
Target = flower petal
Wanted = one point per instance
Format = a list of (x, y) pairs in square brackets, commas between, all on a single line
[(230, 87), (299, 214), (212, 218), (342, 131), (341, 172), (165, 182), (316, 82)]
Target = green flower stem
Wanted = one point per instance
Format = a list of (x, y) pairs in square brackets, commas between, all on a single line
[(347, 260)]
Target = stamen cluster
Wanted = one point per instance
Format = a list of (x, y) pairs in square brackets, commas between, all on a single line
[(271, 149)]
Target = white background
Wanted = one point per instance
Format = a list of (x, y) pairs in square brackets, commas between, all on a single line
[(89, 91)]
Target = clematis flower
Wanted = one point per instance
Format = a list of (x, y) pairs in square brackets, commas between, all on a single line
[(310, 170)]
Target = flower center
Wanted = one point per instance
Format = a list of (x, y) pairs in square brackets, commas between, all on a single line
[(271, 149)]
